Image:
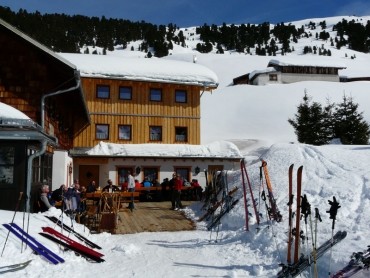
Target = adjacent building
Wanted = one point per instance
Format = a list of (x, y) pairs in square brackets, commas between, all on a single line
[(288, 70)]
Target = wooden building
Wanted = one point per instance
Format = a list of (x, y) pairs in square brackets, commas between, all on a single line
[(143, 104), (46, 88)]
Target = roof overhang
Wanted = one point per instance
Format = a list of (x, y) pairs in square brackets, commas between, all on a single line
[(24, 129)]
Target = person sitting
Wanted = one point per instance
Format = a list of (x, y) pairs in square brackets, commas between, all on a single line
[(137, 184), (91, 187), (44, 203), (125, 186), (164, 185), (146, 182), (198, 190), (57, 195), (110, 187)]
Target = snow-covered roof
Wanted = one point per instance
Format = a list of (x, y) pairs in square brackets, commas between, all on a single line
[(9, 112), (142, 69), (12, 117), (308, 61), (15, 125), (219, 149), (257, 72)]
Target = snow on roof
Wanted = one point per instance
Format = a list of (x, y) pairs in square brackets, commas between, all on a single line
[(12, 117), (9, 112), (219, 149), (309, 61), (142, 69), (257, 72)]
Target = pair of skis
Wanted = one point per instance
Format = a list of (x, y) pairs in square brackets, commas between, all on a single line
[(294, 231), (272, 209), (227, 204), (246, 177), (215, 206), (70, 244), (70, 230), (303, 262), (359, 263), (35, 245)]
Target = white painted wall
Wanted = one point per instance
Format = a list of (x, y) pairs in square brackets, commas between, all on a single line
[(295, 77), (167, 166), (61, 161)]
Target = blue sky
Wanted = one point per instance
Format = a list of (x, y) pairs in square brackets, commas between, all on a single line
[(187, 13)]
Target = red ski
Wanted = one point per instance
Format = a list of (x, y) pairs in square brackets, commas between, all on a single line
[(290, 204), (297, 226), (244, 173), (274, 212), (72, 243)]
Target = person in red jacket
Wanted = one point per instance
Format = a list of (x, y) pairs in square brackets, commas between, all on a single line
[(177, 192)]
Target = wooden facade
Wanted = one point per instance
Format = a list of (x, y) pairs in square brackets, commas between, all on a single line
[(140, 112), (32, 75), (29, 71)]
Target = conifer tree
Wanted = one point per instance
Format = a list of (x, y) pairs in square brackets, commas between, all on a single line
[(349, 124), (309, 123)]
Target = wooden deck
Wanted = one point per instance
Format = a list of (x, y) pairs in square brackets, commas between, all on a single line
[(153, 217)]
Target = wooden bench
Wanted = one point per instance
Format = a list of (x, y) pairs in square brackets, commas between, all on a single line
[(125, 197)]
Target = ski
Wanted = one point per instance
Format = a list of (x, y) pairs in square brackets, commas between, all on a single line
[(14, 267), (304, 262), (33, 243), (73, 248), (274, 213), (70, 230), (297, 226), (290, 204), (244, 172), (225, 210), (73, 243), (214, 207), (360, 261)]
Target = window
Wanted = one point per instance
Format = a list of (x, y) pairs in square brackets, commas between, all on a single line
[(102, 91), (124, 132), (181, 96), (184, 172), (155, 95), (273, 77), (122, 174), (181, 134), (151, 173), (125, 93), (7, 163), (102, 132), (155, 133)]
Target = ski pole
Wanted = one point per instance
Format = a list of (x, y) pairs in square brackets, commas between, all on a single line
[(317, 218), (334, 206), (306, 211), (15, 212)]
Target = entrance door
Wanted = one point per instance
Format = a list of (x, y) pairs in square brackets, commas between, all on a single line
[(88, 173)]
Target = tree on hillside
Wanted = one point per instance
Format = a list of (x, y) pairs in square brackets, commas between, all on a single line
[(310, 124), (349, 124), (317, 126)]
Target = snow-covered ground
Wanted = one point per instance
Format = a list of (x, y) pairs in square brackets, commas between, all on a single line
[(255, 119)]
